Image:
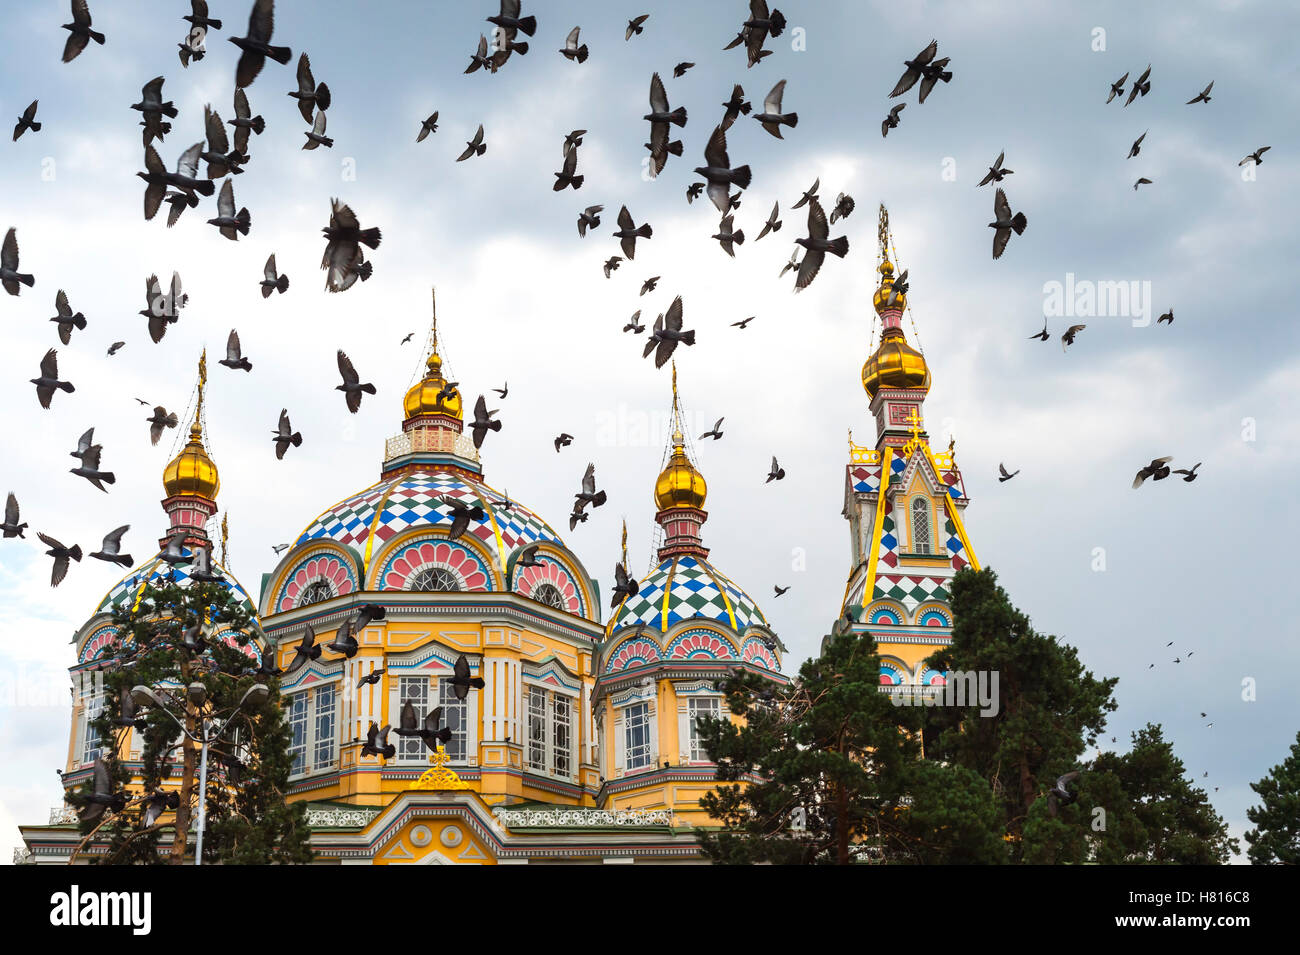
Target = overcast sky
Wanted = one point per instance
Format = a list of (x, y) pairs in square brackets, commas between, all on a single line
[(522, 298)]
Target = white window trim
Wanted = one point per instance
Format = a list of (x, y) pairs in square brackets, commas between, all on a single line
[(620, 736), (434, 676), (685, 729), (551, 692)]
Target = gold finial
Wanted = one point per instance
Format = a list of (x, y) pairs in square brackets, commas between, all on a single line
[(882, 232), (440, 775), (433, 303), (678, 437), (625, 542), (196, 429), (225, 534)]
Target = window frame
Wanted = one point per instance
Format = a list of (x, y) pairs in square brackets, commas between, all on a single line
[(318, 750)]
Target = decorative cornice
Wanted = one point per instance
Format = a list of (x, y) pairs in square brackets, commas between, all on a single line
[(582, 818), (334, 817)]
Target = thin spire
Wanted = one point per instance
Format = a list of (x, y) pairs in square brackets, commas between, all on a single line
[(678, 437), (225, 534), (433, 303), (196, 429), (625, 542)]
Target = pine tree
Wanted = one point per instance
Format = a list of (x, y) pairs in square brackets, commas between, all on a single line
[(248, 821), (1276, 836)]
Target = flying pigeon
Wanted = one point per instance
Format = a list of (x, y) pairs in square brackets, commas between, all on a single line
[(565, 439), (1004, 222), (11, 527), (735, 106), (891, 121), (634, 27), (1042, 336), (715, 432), (483, 422), (1141, 85), (528, 557), (27, 121), (565, 177), (915, 69), (61, 557), (185, 178), (1137, 146), (475, 146), (244, 122), (10, 277), (693, 191), (153, 108), (352, 386), (1189, 476), (588, 218), (1158, 469), (649, 284), (376, 743), (718, 172), (160, 419), (1117, 88), (101, 797), (625, 587), (1256, 157), (775, 473), (779, 590), (1203, 96), (571, 49), (344, 642), (461, 681), (588, 494), (429, 731), (316, 135), (89, 468), (996, 172), (667, 333), (371, 678), (726, 236), (66, 320), (628, 232), (49, 379), (306, 649), (612, 264), (1166, 317), (462, 514), (1143, 181), (660, 116), (285, 435), (773, 224), (1067, 339), (111, 549), (232, 225), (256, 46), (271, 280), (772, 118), (1005, 476), (79, 31), (844, 206), (743, 323), (818, 243), (427, 126), (809, 196), (308, 94), (343, 257)]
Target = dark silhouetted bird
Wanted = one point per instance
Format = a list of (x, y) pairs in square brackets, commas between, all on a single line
[(162, 309), (565, 439), (316, 135), (219, 156), (633, 324), (461, 515), (794, 263), (915, 69), (503, 391), (285, 435), (754, 31), (588, 495), (10, 277), (271, 281), (49, 379), (27, 121), (66, 320), (84, 444), (376, 743), (726, 236), (1061, 793), (649, 284), (996, 173), (588, 218), (572, 140), (89, 469), (1158, 470), (844, 207), (483, 422), (775, 473), (111, 548), (634, 27), (892, 120), (1067, 338), (818, 243), (11, 527), (1004, 223), (460, 679), (528, 557), (743, 323), (198, 16), (256, 46), (628, 232), (1141, 182), (343, 258), (1042, 336), (185, 178), (565, 177), (571, 49), (1166, 317), (1256, 157), (372, 678), (344, 642), (308, 94), (1136, 147), (1142, 85), (157, 804), (1203, 96), (429, 732), (779, 590), (80, 32), (475, 146), (625, 587), (353, 388), (933, 73), (159, 420), (61, 557), (427, 126), (1004, 476), (735, 106), (235, 359), (1117, 88), (693, 191), (481, 59), (366, 615), (231, 224), (718, 172), (715, 432), (113, 348), (809, 196), (305, 650), (660, 116), (243, 122), (773, 224), (101, 797), (1189, 475), (899, 287), (772, 118), (612, 264), (667, 333), (173, 552), (152, 106), (680, 69)]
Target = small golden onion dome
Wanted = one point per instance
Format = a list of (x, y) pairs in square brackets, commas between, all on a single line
[(192, 473), (886, 271), (680, 485), (895, 364), (423, 396)]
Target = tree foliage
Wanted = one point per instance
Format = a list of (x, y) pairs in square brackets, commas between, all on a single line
[(1276, 836)]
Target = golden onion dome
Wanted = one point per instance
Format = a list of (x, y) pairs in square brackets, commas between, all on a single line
[(679, 484), (423, 396), (895, 364), (192, 473)]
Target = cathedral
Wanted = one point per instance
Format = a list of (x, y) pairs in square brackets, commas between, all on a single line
[(581, 745)]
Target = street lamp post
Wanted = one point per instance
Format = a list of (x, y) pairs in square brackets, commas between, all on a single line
[(210, 731)]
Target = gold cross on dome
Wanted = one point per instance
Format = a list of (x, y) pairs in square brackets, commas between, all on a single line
[(915, 421)]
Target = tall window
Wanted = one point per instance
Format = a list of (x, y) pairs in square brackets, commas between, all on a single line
[(90, 750), (415, 689), (920, 526), (636, 736), (695, 708), (455, 716), (550, 736), (314, 737)]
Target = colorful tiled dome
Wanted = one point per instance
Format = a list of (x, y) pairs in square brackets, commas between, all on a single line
[(684, 588), (156, 572)]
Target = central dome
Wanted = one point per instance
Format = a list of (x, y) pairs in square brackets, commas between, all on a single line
[(422, 398), (895, 364), (680, 484)]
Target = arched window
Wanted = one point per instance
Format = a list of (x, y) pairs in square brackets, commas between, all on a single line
[(550, 595), (435, 580), (920, 526), (316, 591)]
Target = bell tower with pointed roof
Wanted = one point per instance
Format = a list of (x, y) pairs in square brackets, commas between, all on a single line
[(903, 501)]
